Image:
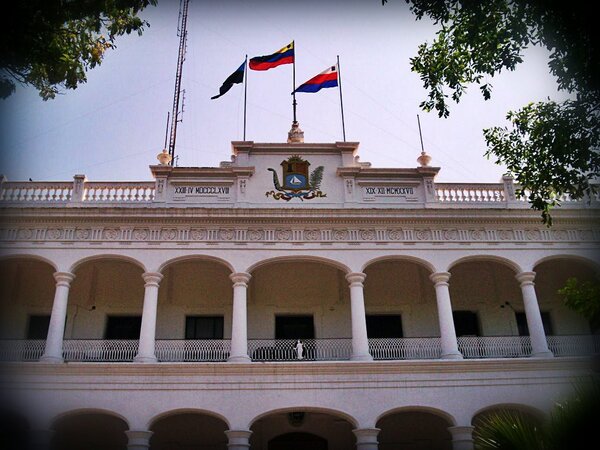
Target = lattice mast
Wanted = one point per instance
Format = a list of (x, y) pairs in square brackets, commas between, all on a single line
[(179, 95)]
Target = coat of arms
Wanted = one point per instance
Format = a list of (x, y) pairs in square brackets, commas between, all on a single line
[(296, 181)]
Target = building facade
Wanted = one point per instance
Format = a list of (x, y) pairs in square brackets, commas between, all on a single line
[(293, 297)]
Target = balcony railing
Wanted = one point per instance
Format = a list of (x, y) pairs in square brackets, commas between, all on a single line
[(217, 350)]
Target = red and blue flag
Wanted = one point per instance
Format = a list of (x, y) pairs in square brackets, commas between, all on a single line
[(284, 55), (326, 79)]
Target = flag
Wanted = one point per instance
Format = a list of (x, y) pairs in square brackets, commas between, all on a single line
[(235, 78), (326, 79), (282, 56)]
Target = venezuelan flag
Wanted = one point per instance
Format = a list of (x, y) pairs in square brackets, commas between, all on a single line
[(326, 79), (282, 56)]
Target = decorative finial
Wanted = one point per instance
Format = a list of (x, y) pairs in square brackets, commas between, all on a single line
[(295, 135), (164, 158), (424, 159)]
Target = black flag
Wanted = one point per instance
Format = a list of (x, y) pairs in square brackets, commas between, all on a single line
[(235, 78)]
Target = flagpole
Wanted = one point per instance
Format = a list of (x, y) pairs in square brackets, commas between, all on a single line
[(294, 81), (341, 100), (245, 92)]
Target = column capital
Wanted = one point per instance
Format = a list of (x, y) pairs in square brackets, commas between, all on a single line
[(138, 439), (64, 278), (240, 278), (525, 278), (440, 277), (366, 435), (356, 277), (152, 278)]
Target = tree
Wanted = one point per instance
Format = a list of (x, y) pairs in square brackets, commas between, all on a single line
[(583, 297), (50, 44), (551, 148)]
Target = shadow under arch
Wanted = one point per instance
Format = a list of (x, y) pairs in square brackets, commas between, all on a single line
[(195, 257), (299, 258), (400, 258), (522, 408), (83, 411), (594, 265), (175, 412), (28, 257), (516, 268), (421, 409), (315, 409), (106, 257)]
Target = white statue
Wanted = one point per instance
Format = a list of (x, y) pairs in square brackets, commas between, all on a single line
[(299, 349)]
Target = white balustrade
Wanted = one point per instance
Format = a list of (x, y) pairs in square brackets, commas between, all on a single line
[(37, 192), (118, 192), (312, 349), (469, 193), (405, 348), (193, 349)]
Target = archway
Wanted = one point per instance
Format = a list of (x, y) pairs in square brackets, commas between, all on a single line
[(302, 429), (188, 431), (89, 430), (414, 430)]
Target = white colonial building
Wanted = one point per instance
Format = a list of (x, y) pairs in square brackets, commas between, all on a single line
[(292, 298)]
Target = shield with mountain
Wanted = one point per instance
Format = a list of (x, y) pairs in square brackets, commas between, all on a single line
[(296, 181)]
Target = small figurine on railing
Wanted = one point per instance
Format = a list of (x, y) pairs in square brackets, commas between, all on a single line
[(299, 349)]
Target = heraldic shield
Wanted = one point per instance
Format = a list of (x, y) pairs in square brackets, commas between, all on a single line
[(295, 174)]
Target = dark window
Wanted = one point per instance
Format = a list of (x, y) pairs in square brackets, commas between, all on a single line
[(123, 327), (524, 328), (384, 326), (38, 327), (204, 327), (294, 327), (466, 323)]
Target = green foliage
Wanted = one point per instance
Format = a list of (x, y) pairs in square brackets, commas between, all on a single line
[(50, 44), (583, 297), (570, 421), (552, 148)]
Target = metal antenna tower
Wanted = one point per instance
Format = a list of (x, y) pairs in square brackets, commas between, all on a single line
[(182, 33)]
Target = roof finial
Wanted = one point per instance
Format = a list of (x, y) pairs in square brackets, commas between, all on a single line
[(295, 135)]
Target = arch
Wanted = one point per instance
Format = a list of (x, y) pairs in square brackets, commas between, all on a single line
[(413, 259), (315, 409), (178, 411), (426, 409), (527, 409), (81, 411), (516, 268), (300, 258), (582, 259), (107, 256), (196, 257), (29, 256)]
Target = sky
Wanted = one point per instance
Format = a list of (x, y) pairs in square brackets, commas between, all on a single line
[(112, 127)]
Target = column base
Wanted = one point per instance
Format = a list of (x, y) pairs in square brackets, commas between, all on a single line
[(547, 354), (366, 357), (456, 355), (51, 359), (145, 359), (239, 359)]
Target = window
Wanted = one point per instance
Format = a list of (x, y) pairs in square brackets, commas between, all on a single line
[(384, 326), (123, 327), (524, 328), (204, 327), (466, 323), (38, 327), (294, 327)]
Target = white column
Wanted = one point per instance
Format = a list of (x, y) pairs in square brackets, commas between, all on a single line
[(138, 440), (366, 438), (56, 329), (146, 352), (444, 307), (238, 439), (539, 345), (239, 322), (462, 438), (360, 341)]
